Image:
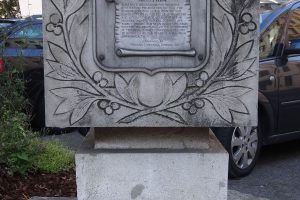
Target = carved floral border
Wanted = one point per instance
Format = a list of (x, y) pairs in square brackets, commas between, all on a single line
[(234, 65)]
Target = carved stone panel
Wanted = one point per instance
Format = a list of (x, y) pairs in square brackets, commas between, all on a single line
[(151, 63)]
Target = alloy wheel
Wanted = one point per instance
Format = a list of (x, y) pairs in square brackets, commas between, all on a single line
[(244, 146)]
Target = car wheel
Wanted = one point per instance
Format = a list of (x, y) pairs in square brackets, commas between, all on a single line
[(243, 145)]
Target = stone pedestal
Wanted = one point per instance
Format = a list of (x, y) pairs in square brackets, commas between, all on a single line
[(152, 164)]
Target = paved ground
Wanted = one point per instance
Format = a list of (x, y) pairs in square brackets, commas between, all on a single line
[(276, 177)]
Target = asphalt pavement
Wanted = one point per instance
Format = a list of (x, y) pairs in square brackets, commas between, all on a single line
[(276, 176)]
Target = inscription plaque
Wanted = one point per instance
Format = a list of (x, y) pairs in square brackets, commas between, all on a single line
[(151, 35), (153, 25)]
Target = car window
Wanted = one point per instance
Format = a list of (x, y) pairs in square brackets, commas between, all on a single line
[(30, 32), (294, 30), (5, 25), (270, 38)]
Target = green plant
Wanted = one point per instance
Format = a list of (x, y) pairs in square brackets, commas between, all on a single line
[(9, 8), (16, 139), (55, 157)]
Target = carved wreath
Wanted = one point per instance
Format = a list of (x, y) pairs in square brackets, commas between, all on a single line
[(232, 67)]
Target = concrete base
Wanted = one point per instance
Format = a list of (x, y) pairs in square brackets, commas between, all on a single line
[(152, 173)]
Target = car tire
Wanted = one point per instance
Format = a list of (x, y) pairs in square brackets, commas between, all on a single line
[(243, 145)]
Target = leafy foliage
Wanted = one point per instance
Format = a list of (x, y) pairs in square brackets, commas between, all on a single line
[(9, 8), (16, 147), (55, 157), (20, 149)]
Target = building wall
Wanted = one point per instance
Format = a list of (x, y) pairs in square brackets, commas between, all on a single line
[(30, 7)]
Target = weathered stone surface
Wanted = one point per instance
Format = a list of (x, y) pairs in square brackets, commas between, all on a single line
[(205, 78), (152, 174), (151, 138)]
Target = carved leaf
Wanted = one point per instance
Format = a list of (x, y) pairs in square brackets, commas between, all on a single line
[(73, 6), (78, 34), (222, 32), (72, 98), (239, 69), (172, 116), (226, 5), (248, 74), (225, 100), (133, 89), (62, 72), (165, 113), (59, 54), (81, 109), (179, 86), (232, 91), (122, 88), (243, 52)]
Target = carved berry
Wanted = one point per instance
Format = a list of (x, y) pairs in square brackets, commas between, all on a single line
[(97, 77), (204, 76), (103, 83)]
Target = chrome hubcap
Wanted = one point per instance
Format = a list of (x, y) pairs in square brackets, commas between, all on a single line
[(244, 146)]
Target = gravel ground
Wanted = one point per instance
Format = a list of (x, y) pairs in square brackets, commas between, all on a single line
[(276, 176)]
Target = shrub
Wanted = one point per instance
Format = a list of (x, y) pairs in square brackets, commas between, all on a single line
[(55, 157), (16, 147)]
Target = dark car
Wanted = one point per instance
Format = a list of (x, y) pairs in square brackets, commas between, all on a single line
[(23, 45), (7, 23), (279, 92)]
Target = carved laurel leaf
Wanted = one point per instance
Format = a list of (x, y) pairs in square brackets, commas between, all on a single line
[(81, 109), (62, 72), (78, 34), (226, 99), (239, 69), (73, 6), (122, 87), (59, 54), (75, 100), (248, 74), (165, 113), (224, 105), (243, 52), (222, 32), (233, 91), (71, 97), (172, 116), (179, 86), (133, 89), (68, 7), (226, 5)]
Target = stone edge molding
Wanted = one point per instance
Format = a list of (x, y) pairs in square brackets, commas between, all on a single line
[(75, 92)]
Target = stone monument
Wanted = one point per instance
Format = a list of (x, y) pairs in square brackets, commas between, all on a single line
[(149, 74)]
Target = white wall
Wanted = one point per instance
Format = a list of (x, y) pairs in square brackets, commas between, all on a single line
[(30, 7)]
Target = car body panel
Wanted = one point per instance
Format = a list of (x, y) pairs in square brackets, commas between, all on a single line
[(281, 96), (25, 50)]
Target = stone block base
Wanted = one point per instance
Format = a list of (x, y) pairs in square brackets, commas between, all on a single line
[(152, 174)]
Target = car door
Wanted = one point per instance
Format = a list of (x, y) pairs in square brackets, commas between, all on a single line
[(271, 43), (24, 47), (289, 77)]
